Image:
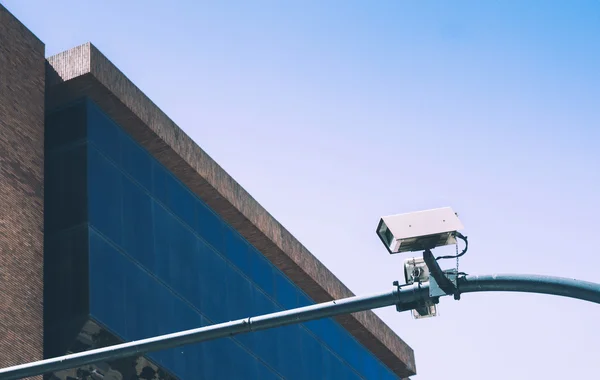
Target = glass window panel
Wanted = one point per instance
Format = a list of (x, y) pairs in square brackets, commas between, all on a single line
[(312, 357), (74, 187), (387, 374), (182, 252), (371, 366), (65, 126), (216, 359), (265, 343), (351, 351), (262, 304), (190, 360), (136, 161), (331, 334), (286, 294), (137, 224), (108, 276), (159, 182), (289, 350), (103, 133), (242, 365), (104, 196), (236, 249), (184, 264), (210, 227), (66, 274), (240, 295), (264, 372), (162, 222), (303, 299), (327, 331), (142, 297), (262, 271), (181, 201), (65, 188), (212, 281)]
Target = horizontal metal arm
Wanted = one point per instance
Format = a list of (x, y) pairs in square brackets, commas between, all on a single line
[(402, 295), (407, 293), (558, 286)]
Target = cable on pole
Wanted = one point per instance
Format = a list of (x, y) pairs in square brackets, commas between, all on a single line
[(461, 237)]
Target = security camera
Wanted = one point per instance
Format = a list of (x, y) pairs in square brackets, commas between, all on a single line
[(419, 231)]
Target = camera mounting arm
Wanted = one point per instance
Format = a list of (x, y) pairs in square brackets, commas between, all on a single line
[(439, 276)]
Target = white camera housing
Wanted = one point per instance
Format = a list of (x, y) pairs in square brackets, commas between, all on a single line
[(419, 231)]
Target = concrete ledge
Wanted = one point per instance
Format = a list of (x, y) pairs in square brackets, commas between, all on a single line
[(84, 71)]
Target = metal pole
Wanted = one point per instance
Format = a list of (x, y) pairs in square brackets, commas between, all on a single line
[(349, 305), (557, 286), (405, 294)]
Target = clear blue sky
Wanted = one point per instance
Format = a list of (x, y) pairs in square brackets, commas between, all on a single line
[(334, 113)]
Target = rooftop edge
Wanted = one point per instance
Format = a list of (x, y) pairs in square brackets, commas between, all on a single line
[(85, 71)]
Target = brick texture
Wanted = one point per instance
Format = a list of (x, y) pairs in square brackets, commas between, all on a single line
[(21, 192)]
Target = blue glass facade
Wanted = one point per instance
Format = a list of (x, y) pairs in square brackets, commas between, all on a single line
[(132, 248)]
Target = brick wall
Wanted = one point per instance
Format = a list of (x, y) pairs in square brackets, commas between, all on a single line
[(21, 192)]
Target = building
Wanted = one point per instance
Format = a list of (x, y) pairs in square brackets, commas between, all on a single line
[(116, 226)]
